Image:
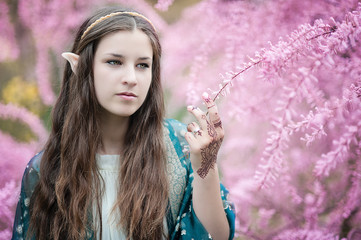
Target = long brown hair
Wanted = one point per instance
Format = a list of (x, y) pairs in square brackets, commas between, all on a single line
[(70, 184)]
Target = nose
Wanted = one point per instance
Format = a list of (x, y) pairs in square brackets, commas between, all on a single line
[(129, 76)]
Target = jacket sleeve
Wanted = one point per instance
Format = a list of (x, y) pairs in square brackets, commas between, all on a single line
[(28, 183), (187, 225)]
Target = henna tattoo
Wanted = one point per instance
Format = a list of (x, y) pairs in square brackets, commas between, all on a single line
[(211, 130), (209, 153), (209, 158), (194, 107), (204, 117), (218, 124), (211, 106)]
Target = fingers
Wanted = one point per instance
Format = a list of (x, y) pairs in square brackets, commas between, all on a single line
[(213, 111), (195, 129), (206, 138), (211, 125), (199, 115), (193, 138), (192, 141)]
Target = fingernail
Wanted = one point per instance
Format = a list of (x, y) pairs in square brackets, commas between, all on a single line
[(205, 95), (190, 107)]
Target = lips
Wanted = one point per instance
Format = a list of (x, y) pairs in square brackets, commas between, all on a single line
[(128, 94)]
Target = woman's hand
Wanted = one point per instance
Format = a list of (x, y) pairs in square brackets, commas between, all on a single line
[(204, 138)]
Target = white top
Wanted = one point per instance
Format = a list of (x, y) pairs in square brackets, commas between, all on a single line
[(109, 170)]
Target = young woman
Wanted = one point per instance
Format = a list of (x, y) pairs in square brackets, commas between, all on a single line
[(113, 167)]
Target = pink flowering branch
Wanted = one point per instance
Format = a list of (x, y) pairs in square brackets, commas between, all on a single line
[(319, 234), (314, 205), (14, 156), (277, 142), (349, 203), (9, 48), (354, 194), (314, 121), (340, 152), (163, 5), (227, 82), (200, 61), (8, 198), (317, 38), (349, 106), (10, 111), (273, 61)]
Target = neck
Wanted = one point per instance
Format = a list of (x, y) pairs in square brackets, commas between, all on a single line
[(113, 130)]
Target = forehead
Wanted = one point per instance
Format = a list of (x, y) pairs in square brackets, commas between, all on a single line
[(128, 43)]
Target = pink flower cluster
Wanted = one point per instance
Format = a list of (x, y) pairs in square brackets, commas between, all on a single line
[(9, 50), (287, 79), (14, 155), (291, 110), (163, 5)]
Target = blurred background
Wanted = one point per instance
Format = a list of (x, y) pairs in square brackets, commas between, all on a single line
[(285, 73)]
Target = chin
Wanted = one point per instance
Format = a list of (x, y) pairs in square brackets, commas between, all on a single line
[(121, 112), (124, 114)]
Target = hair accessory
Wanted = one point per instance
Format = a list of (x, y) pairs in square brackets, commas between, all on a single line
[(135, 14)]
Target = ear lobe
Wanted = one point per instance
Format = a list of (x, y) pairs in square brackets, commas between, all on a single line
[(72, 58)]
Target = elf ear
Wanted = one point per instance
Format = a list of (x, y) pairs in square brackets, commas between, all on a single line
[(72, 59)]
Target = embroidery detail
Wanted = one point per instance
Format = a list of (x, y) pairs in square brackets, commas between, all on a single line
[(19, 229), (27, 202), (176, 175)]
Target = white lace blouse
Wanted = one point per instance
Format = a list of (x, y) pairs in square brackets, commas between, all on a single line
[(109, 169)]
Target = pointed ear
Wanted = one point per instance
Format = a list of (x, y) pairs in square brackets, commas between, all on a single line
[(72, 59)]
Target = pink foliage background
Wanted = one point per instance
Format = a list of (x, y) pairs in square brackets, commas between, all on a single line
[(287, 79)]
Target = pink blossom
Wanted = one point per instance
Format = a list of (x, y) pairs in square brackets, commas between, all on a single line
[(306, 235), (163, 5), (10, 111), (9, 48), (265, 215), (8, 198), (286, 78)]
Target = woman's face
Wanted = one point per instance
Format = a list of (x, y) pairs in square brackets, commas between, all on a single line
[(123, 71)]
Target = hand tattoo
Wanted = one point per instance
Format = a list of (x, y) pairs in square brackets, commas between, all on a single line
[(209, 153), (209, 158), (211, 106), (218, 124)]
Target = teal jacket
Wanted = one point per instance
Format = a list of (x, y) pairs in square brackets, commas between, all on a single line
[(182, 220)]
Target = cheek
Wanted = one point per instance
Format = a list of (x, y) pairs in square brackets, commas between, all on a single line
[(145, 90), (147, 87), (100, 90)]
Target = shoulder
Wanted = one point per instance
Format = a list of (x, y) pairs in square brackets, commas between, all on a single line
[(31, 174), (34, 162), (175, 125), (176, 131)]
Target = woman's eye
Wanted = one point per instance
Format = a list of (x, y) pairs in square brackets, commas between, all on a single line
[(143, 65), (114, 62)]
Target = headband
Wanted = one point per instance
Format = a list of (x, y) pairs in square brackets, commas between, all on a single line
[(114, 14)]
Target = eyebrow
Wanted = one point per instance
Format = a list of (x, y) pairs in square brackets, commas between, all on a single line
[(121, 56)]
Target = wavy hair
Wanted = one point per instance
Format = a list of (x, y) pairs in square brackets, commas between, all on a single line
[(70, 184)]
